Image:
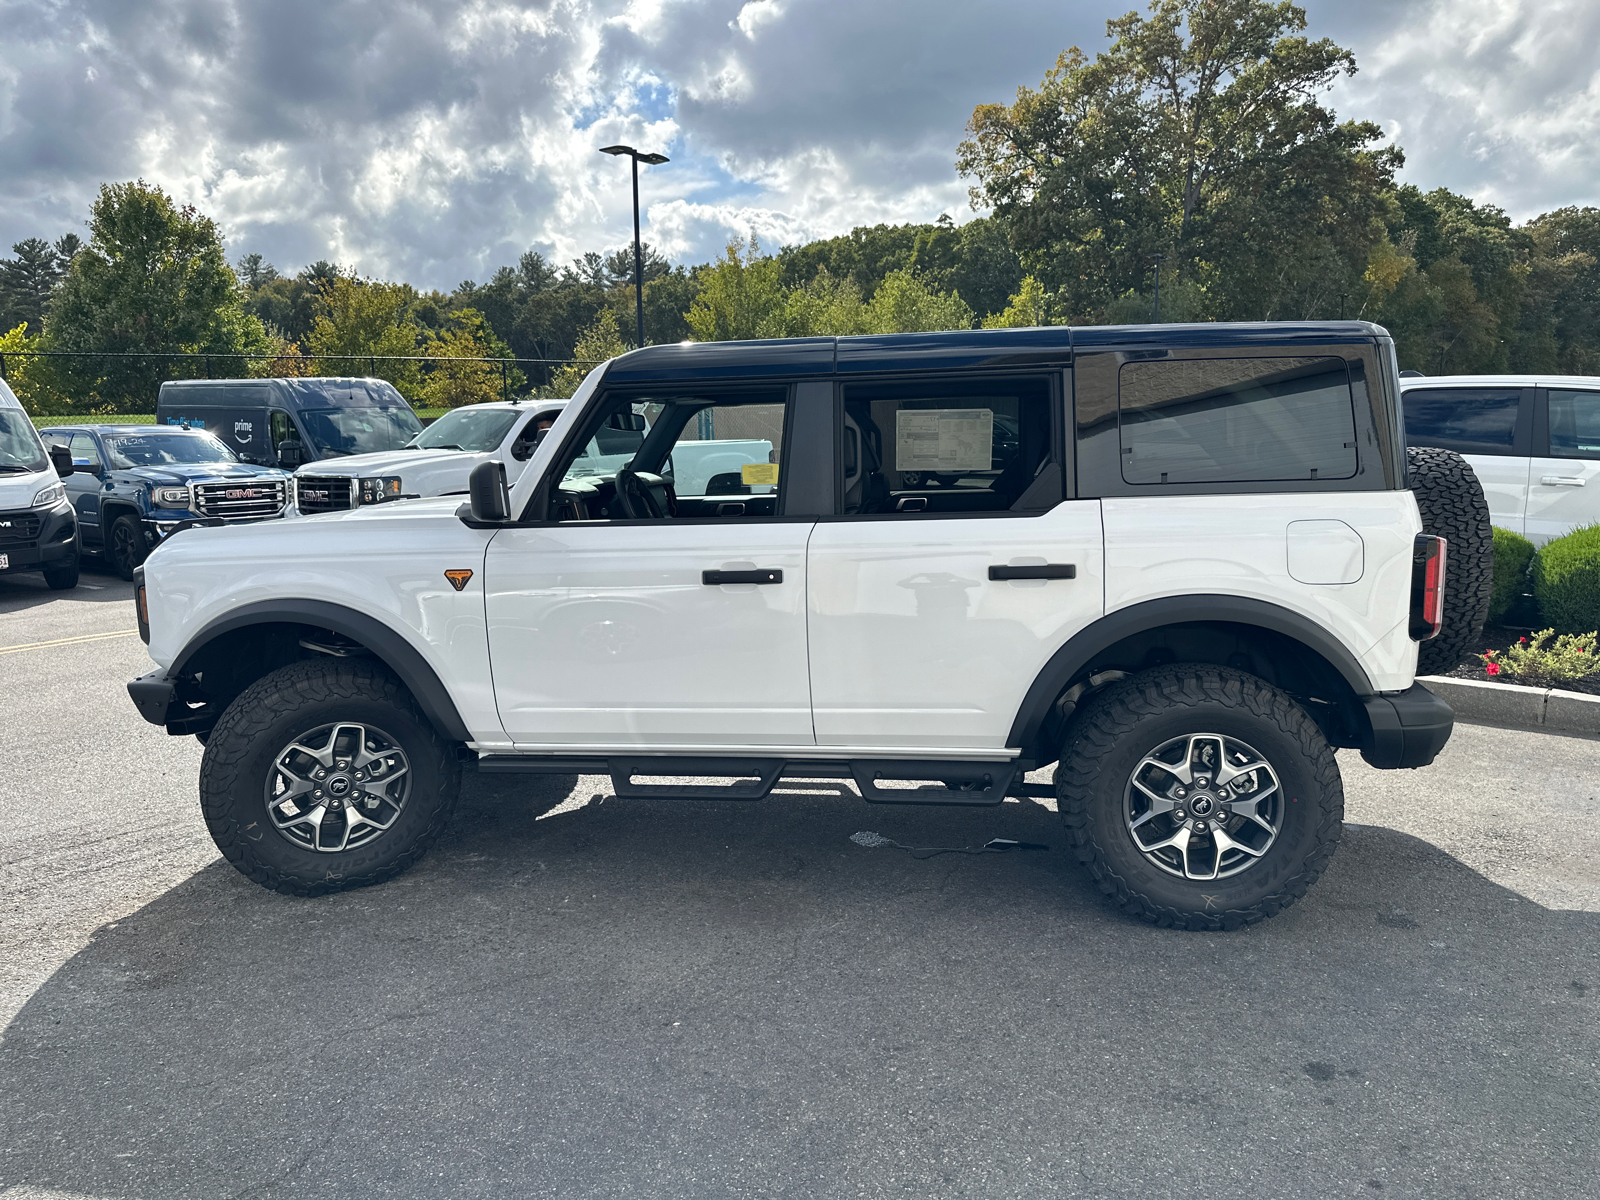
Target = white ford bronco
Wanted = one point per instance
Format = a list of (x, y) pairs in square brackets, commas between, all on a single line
[(1182, 563)]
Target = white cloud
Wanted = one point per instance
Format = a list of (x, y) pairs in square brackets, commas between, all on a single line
[(434, 140)]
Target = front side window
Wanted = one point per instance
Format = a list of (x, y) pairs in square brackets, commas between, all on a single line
[(679, 457), (341, 431), (20, 450), (84, 450), (950, 447), (1466, 420), (163, 449), (477, 430), (1236, 420), (1574, 424)]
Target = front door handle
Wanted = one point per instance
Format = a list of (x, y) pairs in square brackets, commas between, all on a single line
[(1561, 481), (767, 575), (1042, 571)]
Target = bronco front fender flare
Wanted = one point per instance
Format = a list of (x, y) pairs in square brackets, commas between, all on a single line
[(391, 648)]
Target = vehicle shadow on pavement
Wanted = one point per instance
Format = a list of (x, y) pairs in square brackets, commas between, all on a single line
[(21, 592), (653, 999)]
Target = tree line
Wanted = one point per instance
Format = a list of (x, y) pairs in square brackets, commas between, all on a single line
[(1191, 171)]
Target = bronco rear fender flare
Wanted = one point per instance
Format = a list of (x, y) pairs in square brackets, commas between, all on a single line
[(391, 648), (1081, 648)]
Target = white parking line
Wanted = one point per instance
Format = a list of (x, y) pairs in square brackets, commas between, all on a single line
[(68, 641)]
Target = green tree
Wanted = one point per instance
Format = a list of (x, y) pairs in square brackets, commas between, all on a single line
[(903, 303), (287, 305), (366, 327), (152, 278), (255, 272), (1198, 136), (28, 281), (1030, 306), (600, 341), (463, 378), (34, 379), (741, 297)]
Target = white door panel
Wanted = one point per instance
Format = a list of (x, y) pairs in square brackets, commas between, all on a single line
[(1563, 493), (1505, 487), (1240, 545), (606, 634), (913, 646)]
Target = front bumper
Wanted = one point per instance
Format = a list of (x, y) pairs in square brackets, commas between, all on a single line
[(160, 702), (1409, 728), (55, 544)]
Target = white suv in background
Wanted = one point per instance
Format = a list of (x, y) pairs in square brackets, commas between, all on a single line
[(1534, 441)]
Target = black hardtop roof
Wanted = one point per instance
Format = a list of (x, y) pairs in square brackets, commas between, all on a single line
[(960, 348)]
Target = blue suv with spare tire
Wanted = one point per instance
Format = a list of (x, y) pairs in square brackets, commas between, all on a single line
[(134, 486)]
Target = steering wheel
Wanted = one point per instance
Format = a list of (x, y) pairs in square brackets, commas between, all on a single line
[(642, 496)]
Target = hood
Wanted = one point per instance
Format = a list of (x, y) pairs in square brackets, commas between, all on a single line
[(381, 462), (179, 473), (18, 491)]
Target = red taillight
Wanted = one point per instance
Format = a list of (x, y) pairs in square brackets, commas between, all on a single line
[(1427, 586)]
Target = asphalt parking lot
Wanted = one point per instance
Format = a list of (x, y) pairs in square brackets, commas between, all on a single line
[(593, 998)]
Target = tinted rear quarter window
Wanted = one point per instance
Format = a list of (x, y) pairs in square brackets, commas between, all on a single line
[(1466, 420), (1236, 420)]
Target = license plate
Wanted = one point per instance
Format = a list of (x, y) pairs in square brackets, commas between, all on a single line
[(5, 562)]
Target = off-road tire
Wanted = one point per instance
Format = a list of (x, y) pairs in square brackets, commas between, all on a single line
[(125, 548), (278, 709), (1117, 727), (63, 578), (1453, 507)]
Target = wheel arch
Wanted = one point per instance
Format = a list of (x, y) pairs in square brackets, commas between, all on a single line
[(1285, 648), (241, 646)]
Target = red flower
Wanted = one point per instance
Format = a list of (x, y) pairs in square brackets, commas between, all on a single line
[(1522, 641), (1493, 668)]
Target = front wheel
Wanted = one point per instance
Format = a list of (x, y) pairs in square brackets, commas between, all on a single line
[(1199, 797), (127, 545), (63, 577), (324, 776)]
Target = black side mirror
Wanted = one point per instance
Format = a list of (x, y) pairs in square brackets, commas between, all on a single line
[(291, 454), (61, 460), (489, 495)]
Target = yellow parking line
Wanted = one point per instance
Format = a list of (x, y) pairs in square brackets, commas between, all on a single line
[(68, 641)]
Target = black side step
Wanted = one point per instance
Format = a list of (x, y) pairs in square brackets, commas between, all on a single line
[(766, 771), (982, 783)]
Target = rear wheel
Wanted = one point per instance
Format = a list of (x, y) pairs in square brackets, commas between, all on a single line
[(1199, 797), (324, 776), (127, 545)]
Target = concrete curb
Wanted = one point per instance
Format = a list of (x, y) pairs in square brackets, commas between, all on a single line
[(1516, 707)]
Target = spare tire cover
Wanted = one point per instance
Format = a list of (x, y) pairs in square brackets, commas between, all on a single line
[(1453, 507)]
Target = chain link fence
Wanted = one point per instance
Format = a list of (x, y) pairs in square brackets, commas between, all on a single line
[(68, 382)]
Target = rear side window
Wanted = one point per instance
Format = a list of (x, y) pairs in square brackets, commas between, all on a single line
[(1236, 420), (946, 447), (1574, 424), (1466, 420)]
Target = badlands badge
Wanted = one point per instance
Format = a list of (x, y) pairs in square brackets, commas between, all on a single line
[(458, 578)]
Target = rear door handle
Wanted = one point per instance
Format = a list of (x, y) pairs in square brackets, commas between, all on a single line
[(715, 578), (1043, 571), (1561, 481)]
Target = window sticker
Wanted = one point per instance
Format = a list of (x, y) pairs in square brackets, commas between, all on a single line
[(948, 440), (758, 474)]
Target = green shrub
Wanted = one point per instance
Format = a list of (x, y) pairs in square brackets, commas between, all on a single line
[(1566, 581), (1512, 555), (1543, 662)]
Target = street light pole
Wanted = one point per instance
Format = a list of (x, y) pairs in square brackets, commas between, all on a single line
[(638, 250)]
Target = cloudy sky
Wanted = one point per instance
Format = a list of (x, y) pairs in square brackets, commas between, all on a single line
[(433, 140)]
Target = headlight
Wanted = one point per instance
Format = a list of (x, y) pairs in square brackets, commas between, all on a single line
[(172, 497), (49, 495), (380, 487)]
